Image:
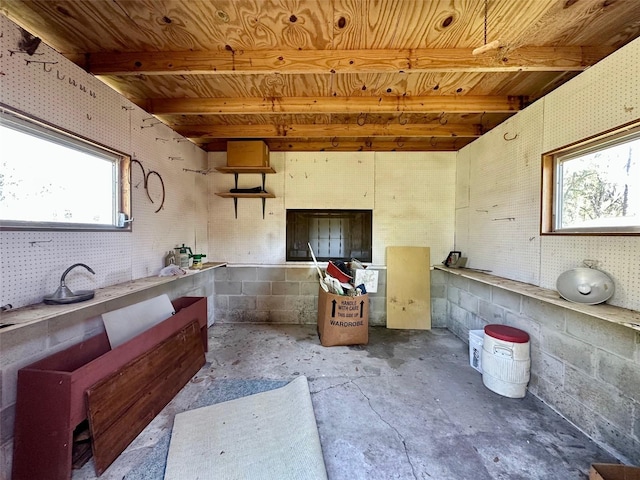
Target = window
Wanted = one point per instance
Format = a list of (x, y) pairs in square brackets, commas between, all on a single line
[(50, 179), (594, 187), (333, 235)]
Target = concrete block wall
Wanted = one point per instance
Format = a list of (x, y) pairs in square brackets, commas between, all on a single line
[(279, 294), (22, 346), (585, 368)]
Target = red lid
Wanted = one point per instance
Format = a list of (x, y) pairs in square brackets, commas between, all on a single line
[(508, 334)]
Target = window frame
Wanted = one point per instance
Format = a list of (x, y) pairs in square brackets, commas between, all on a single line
[(68, 139), (327, 212), (549, 203)]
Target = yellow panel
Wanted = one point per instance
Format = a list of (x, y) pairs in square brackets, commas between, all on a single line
[(408, 288)]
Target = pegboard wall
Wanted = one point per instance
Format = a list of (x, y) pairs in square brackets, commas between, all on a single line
[(415, 202), (49, 87), (499, 229), (247, 239), (603, 97), (329, 180), (413, 205)]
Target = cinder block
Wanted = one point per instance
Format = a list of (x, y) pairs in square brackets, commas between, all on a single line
[(453, 295), (242, 302), (272, 274), (285, 288), (621, 442), (256, 288), (599, 397), (575, 352), (438, 277), (270, 302), (480, 290), (468, 302), (22, 343), (308, 288), (228, 288), (302, 274), (63, 331), (609, 336), (490, 312), (624, 374), (439, 317), (243, 274), (547, 367), (509, 300), (546, 314), (438, 291), (458, 282), (299, 303), (7, 420), (458, 315)]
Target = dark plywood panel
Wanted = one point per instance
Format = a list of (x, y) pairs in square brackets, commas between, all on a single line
[(121, 405)]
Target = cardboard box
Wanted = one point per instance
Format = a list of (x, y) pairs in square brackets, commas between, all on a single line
[(249, 153), (367, 277), (613, 471), (343, 320)]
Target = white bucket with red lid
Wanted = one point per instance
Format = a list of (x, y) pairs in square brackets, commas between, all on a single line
[(506, 361)]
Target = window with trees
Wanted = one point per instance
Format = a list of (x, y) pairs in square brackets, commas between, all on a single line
[(52, 179), (594, 187)]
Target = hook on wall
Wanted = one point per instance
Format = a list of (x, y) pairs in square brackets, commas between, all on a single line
[(509, 139)]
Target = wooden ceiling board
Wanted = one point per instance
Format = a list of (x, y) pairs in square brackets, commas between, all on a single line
[(584, 22), (400, 66)]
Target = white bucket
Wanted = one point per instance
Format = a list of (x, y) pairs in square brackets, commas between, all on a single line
[(506, 364), (475, 349)]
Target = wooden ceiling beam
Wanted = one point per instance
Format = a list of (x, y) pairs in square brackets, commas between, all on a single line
[(356, 105), (329, 130), (369, 145), (239, 62)]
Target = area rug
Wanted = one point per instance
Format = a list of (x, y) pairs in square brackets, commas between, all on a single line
[(152, 462), (270, 435)]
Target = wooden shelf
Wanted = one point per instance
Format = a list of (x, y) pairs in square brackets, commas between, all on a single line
[(262, 170), (237, 171), (246, 195)]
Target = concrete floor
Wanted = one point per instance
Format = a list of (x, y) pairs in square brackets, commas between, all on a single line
[(405, 406)]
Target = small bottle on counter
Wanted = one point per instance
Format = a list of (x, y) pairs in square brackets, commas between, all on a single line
[(170, 258)]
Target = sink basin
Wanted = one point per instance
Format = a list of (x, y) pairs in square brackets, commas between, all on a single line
[(75, 297)]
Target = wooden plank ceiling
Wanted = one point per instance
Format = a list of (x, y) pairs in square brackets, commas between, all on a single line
[(336, 75)]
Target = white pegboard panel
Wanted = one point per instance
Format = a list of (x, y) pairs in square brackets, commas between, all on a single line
[(336, 180), (248, 239), (33, 262), (603, 97), (504, 196), (414, 202), (617, 256), (62, 94)]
